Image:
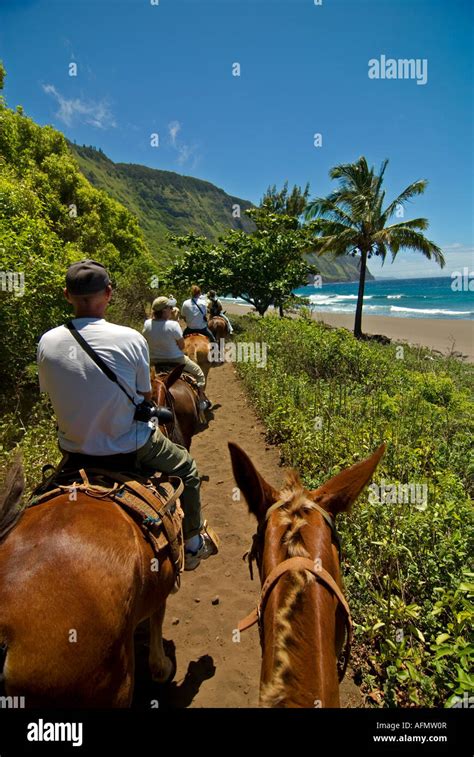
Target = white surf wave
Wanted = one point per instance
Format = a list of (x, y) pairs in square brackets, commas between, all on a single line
[(329, 299), (433, 311)]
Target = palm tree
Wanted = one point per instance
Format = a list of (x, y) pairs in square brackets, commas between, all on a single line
[(352, 220)]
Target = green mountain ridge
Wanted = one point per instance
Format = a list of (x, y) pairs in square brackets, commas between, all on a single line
[(163, 201), (166, 202)]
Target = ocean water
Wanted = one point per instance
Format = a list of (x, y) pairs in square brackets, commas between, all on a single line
[(399, 298)]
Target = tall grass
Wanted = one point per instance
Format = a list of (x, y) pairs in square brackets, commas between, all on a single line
[(328, 400)]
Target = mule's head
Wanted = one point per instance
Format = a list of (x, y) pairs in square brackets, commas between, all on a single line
[(295, 528), (302, 620)]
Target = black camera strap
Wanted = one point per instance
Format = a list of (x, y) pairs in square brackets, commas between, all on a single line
[(203, 312), (95, 357)]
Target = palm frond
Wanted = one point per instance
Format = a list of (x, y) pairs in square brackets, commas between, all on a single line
[(337, 239), (414, 223), (400, 238), (416, 188), (327, 208)]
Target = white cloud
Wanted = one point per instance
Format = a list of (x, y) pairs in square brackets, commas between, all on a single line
[(174, 127), (185, 151), (96, 114)]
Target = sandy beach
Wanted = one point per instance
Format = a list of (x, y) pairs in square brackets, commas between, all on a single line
[(442, 334)]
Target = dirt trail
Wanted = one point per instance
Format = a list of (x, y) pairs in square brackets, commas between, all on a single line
[(212, 669)]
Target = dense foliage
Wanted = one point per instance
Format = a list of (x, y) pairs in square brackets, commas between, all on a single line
[(262, 267), (330, 400), (50, 216)]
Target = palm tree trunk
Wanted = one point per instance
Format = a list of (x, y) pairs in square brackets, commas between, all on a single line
[(360, 296)]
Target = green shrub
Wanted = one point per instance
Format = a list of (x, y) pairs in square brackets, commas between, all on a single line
[(328, 400)]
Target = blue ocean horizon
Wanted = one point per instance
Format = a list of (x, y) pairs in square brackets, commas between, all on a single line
[(398, 298), (436, 297)]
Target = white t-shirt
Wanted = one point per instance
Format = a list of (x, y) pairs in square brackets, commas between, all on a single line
[(161, 337), (94, 416), (193, 313)]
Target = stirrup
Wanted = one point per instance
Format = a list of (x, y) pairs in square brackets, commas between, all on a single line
[(206, 529)]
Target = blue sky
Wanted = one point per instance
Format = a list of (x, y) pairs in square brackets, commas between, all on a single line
[(167, 69)]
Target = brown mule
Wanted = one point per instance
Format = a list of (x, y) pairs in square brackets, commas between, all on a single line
[(196, 347), (219, 327), (76, 578), (175, 393), (302, 614)]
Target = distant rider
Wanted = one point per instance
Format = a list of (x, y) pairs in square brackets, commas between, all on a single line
[(194, 313), (166, 342), (214, 308)]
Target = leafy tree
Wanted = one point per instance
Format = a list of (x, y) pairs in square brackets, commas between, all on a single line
[(289, 204), (2, 75), (353, 219), (262, 268), (281, 202)]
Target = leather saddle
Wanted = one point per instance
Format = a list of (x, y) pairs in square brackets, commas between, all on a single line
[(150, 498), (162, 370)]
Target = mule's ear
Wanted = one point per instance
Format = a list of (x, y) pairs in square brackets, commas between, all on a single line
[(338, 494), (173, 375), (258, 493)]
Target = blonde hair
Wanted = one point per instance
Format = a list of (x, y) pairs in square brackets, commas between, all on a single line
[(195, 290)]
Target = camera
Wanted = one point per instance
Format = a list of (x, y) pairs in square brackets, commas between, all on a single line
[(146, 410)]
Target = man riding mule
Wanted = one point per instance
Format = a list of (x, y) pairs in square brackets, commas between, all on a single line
[(96, 418), (166, 342), (83, 564)]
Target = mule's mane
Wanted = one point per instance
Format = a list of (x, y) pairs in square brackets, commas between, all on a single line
[(292, 515)]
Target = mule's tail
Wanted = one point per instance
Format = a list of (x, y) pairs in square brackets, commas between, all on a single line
[(3, 656), (11, 505)]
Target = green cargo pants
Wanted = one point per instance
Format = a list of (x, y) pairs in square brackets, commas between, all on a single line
[(160, 454)]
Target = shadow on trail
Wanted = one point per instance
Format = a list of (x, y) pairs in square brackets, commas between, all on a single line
[(167, 696)]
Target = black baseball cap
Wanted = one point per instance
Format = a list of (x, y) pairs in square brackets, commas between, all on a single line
[(86, 277)]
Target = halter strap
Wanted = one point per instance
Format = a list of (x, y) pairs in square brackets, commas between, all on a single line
[(299, 563), (327, 517)]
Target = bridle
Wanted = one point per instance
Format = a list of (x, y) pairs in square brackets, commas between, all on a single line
[(296, 563)]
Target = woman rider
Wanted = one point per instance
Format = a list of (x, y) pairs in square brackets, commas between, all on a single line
[(166, 342), (194, 313)]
